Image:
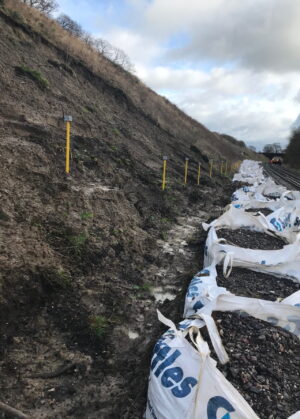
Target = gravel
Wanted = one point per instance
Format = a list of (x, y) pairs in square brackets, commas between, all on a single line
[(264, 364), (243, 237), (252, 284)]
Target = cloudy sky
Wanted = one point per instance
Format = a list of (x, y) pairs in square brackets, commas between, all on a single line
[(233, 65)]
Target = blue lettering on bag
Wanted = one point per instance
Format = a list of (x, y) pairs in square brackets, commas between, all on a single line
[(185, 387), (197, 306), (216, 403), (173, 375)]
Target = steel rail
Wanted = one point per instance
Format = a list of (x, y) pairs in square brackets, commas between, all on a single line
[(283, 176)]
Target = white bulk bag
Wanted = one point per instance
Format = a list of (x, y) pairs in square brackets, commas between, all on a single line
[(293, 299), (270, 188), (184, 382), (202, 289), (235, 218), (286, 221)]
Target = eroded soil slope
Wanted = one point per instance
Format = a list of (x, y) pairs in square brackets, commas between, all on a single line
[(86, 259)]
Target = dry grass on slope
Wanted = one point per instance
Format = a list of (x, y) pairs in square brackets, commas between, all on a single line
[(159, 109)]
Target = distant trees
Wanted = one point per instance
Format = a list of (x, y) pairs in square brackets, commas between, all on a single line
[(70, 25), (102, 46), (45, 6), (272, 148), (292, 154)]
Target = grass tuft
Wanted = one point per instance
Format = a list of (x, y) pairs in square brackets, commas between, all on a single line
[(98, 326), (34, 75)]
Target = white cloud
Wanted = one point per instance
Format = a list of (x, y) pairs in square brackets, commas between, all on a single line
[(235, 69), (256, 108), (140, 48), (258, 34)]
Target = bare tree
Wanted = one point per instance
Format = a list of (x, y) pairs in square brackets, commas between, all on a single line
[(88, 39), (268, 148), (103, 47), (70, 25), (272, 148), (119, 57), (45, 6), (114, 54), (277, 147)]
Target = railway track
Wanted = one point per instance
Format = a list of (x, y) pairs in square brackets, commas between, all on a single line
[(283, 176)]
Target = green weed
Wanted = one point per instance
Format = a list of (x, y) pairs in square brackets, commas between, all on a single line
[(116, 131), (86, 215), (145, 287), (34, 75), (98, 326), (63, 278), (77, 242)]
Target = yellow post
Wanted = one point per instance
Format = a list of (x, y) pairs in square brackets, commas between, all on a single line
[(211, 168), (68, 120), (221, 167), (199, 173), (186, 170), (163, 186), (225, 168)]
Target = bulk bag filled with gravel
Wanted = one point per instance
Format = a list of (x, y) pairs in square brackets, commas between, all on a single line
[(185, 382), (283, 262), (250, 172), (235, 218)]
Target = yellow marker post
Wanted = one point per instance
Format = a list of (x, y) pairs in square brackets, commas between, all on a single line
[(211, 168), (199, 173), (225, 173), (163, 186), (221, 167), (186, 170), (68, 119)]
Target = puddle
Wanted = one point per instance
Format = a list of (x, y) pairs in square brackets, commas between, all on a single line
[(132, 335), (163, 293), (177, 237), (93, 187)]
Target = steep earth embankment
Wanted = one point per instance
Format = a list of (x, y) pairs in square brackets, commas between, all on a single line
[(85, 259)]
